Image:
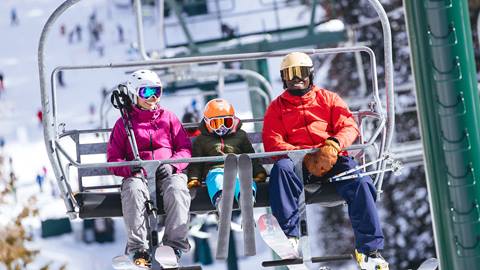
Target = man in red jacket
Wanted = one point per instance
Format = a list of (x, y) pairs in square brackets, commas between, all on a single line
[(305, 116)]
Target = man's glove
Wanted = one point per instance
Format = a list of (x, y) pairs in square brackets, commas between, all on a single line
[(322, 161), (163, 171), (193, 182), (260, 177)]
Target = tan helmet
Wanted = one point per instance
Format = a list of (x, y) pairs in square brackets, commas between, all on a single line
[(296, 59)]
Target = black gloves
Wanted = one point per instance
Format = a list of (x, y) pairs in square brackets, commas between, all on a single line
[(163, 171)]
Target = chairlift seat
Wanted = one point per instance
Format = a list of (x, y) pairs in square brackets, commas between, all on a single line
[(108, 204)]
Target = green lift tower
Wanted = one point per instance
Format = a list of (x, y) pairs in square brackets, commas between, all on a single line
[(448, 107)]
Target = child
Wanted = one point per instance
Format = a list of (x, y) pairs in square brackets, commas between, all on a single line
[(221, 134), (159, 135)]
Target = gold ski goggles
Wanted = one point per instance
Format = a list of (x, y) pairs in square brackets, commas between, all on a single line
[(300, 72)]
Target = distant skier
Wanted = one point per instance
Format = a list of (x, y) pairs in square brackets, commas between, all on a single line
[(13, 17), (306, 116), (78, 32), (221, 134), (91, 111), (60, 80), (121, 37), (40, 116), (63, 30), (159, 135), (71, 36), (39, 180), (227, 31), (2, 85)]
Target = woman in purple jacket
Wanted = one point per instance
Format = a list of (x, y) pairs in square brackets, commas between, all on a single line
[(159, 135)]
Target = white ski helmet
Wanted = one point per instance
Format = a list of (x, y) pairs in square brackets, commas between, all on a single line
[(142, 78)]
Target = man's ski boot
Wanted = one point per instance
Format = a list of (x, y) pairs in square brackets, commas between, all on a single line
[(142, 259), (372, 261)]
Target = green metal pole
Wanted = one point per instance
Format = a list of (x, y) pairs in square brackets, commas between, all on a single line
[(178, 12), (311, 27), (445, 78)]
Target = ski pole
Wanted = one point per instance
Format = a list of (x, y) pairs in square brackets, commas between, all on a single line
[(384, 157)]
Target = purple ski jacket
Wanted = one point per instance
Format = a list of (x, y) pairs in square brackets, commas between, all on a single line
[(159, 135)]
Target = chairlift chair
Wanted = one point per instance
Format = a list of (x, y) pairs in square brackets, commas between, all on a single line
[(94, 201)]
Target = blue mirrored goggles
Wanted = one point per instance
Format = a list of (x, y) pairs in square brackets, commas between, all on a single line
[(147, 92)]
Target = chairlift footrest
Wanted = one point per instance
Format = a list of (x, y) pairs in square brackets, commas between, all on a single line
[(320, 259)]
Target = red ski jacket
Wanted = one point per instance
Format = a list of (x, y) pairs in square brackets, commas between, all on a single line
[(293, 122)]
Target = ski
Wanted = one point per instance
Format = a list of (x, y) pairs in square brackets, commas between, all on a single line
[(123, 262), (429, 264), (226, 205), (276, 239), (246, 203), (166, 257)]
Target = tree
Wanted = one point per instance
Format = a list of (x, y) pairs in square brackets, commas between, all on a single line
[(14, 254)]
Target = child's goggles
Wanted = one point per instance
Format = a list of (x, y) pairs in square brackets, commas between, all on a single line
[(147, 92), (217, 122), (300, 72)]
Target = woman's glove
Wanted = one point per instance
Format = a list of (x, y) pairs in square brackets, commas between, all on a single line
[(137, 172), (164, 171), (260, 177), (322, 161), (193, 182)]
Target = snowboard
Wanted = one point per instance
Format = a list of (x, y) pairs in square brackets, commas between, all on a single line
[(430, 264), (166, 257), (123, 262), (276, 239)]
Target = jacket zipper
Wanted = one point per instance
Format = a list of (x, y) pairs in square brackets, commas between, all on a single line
[(221, 145), (151, 145), (305, 122)]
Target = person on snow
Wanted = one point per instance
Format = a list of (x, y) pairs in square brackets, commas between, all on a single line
[(307, 116), (221, 134), (191, 117), (159, 135)]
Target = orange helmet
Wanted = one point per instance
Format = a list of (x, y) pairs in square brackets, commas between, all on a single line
[(218, 107), (219, 116)]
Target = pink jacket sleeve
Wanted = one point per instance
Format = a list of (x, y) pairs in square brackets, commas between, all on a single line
[(117, 149), (182, 147)]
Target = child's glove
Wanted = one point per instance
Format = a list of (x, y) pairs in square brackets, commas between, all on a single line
[(322, 161), (193, 182), (260, 177)]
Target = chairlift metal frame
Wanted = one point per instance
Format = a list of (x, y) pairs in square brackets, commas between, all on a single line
[(53, 136)]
